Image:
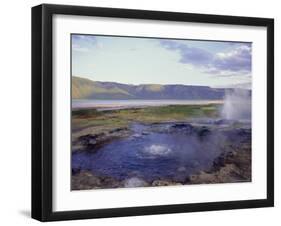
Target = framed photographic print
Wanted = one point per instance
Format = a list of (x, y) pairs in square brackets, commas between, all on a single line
[(145, 112)]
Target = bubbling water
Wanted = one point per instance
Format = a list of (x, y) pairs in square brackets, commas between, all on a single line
[(158, 150), (134, 182)]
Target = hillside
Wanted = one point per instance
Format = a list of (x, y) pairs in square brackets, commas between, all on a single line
[(87, 89)]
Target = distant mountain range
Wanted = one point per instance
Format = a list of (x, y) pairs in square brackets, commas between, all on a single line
[(83, 88)]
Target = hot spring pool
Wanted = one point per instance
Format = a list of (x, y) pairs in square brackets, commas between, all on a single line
[(150, 155)]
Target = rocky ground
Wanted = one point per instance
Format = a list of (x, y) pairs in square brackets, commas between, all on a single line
[(87, 140), (229, 167)]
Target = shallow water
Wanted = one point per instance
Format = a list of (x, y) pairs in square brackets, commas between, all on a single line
[(150, 156)]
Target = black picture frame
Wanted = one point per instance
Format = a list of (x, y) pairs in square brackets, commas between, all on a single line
[(42, 107)]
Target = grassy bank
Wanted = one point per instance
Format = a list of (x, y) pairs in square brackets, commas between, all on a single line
[(103, 121)]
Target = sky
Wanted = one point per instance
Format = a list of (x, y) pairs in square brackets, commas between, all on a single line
[(133, 60)]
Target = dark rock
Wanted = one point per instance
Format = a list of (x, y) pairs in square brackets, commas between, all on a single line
[(75, 171), (219, 162), (238, 136), (88, 140), (179, 126), (245, 134), (117, 130), (223, 159), (94, 141), (183, 127), (223, 122), (203, 131)]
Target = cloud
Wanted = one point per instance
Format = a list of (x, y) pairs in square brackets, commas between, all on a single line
[(189, 55), (228, 63), (78, 48), (90, 39), (239, 59), (84, 43)]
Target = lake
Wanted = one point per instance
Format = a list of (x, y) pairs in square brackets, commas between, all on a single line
[(122, 104)]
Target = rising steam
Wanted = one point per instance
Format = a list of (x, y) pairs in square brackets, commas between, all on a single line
[(237, 105)]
